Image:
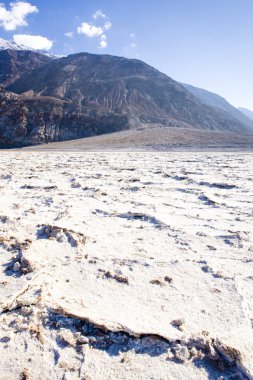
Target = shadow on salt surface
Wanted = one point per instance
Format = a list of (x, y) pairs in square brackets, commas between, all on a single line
[(142, 217), (116, 344), (17, 265), (207, 201), (216, 370), (134, 216), (218, 185), (9, 269)]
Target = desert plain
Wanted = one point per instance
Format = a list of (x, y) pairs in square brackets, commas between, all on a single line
[(126, 265)]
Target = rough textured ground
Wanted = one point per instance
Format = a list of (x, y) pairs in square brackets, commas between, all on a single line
[(126, 265)]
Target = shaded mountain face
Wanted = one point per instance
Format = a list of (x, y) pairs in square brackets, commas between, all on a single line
[(247, 112), (44, 99), (16, 63), (122, 86), (27, 120), (216, 101)]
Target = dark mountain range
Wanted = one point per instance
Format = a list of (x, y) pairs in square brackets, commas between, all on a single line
[(247, 112), (44, 99)]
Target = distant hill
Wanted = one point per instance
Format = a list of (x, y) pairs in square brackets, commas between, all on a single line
[(247, 112), (45, 99), (216, 101)]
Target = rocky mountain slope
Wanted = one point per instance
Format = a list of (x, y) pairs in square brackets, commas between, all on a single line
[(214, 100), (46, 100), (17, 63), (247, 112), (122, 86), (28, 120)]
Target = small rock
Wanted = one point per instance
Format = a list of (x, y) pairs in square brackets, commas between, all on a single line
[(92, 339), (156, 282), (118, 277), (67, 337), (24, 375), (16, 266), (212, 248), (82, 340), (194, 351), (170, 355), (178, 323), (182, 353), (5, 339), (4, 219)]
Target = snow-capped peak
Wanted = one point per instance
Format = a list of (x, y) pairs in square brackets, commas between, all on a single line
[(4, 45)]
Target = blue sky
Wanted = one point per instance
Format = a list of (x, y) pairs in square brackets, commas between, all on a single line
[(206, 43)]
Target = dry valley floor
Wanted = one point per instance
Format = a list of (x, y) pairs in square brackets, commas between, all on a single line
[(126, 265)]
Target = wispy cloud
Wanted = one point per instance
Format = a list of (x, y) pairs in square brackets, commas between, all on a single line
[(98, 14), (103, 42), (16, 16), (33, 42), (69, 34), (130, 49), (107, 25)]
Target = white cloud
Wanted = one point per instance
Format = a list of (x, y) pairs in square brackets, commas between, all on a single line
[(33, 42), (90, 30), (98, 14), (108, 25), (103, 42), (131, 49), (16, 16), (69, 34)]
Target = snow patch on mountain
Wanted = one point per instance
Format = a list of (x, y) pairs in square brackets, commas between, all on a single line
[(4, 45), (11, 45)]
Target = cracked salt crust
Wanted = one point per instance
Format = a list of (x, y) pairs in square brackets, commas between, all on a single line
[(153, 248)]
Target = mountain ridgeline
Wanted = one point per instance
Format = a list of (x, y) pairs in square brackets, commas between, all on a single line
[(246, 112), (218, 102), (45, 99)]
